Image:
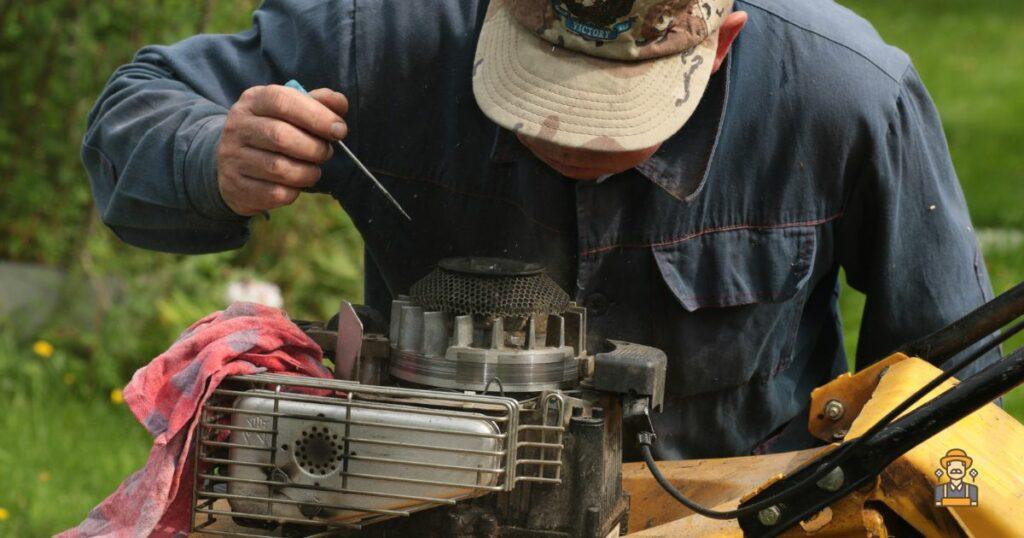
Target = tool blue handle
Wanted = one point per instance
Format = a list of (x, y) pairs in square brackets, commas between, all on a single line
[(294, 84)]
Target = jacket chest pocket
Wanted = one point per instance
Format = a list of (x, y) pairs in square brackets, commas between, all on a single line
[(732, 304)]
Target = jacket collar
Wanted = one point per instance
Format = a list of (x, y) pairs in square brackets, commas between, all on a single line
[(681, 165)]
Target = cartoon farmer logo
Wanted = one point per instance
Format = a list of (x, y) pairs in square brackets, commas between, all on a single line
[(956, 492)]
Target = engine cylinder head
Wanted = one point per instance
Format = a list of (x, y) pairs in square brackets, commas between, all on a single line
[(479, 322)]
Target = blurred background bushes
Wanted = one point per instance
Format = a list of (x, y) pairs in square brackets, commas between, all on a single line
[(117, 306), (80, 311)]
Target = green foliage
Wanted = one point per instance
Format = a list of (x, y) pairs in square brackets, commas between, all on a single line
[(62, 448), (55, 56)]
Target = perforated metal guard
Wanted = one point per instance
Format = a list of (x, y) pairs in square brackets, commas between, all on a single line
[(384, 479), (498, 294)]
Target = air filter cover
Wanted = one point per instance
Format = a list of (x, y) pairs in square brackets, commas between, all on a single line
[(490, 287)]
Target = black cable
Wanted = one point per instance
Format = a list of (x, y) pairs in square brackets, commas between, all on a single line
[(839, 457)]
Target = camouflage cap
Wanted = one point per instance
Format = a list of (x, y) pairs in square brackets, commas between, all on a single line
[(609, 75)]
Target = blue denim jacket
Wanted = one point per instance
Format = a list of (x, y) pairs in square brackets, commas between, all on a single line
[(815, 148)]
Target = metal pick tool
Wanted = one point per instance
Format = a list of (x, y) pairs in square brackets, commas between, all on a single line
[(294, 84)]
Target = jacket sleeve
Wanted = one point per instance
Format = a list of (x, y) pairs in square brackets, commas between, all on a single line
[(906, 238), (150, 146)]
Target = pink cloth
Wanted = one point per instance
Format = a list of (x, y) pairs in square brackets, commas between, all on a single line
[(166, 396)]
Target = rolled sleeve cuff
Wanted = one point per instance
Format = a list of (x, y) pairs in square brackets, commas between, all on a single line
[(201, 172)]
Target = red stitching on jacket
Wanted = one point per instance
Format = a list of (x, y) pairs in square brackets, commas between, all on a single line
[(707, 231)]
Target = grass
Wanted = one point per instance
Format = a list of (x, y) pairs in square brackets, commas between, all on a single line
[(971, 57), (65, 444)]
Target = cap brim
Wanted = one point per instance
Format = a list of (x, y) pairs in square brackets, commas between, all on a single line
[(530, 86)]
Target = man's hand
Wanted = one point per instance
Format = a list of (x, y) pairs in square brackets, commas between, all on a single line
[(273, 143)]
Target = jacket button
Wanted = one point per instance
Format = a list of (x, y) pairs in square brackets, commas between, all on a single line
[(597, 304)]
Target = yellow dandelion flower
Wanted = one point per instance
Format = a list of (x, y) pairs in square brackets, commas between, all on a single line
[(4, 514), (43, 476), (69, 379), (117, 396), (43, 348)]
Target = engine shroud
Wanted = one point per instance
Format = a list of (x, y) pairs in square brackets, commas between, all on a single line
[(484, 323), (295, 456)]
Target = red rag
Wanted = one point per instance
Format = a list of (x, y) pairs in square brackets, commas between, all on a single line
[(166, 396)]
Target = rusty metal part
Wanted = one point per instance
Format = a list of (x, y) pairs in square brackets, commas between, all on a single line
[(349, 342), (851, 391)]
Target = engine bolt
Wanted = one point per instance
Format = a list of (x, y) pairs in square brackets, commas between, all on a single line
[(834, 410), (769, 516), (833, 480)]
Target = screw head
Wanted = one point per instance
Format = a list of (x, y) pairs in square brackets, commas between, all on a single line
[(834, 410), (833, 480), (769, 516), (839, 435)]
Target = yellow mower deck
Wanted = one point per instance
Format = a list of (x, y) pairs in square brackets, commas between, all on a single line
[(994, 440)]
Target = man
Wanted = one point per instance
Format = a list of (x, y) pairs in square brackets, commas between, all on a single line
[(956, 492), (694, 173)]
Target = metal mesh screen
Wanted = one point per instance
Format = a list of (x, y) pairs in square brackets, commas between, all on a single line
[(277, 449), (505, 295)]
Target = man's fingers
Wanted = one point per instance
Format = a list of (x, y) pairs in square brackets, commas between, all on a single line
[(255, 195), (297, 109), (333, 100), (278, 136), (277, 168)]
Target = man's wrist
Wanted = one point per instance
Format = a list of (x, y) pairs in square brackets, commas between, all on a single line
[(201, 182)]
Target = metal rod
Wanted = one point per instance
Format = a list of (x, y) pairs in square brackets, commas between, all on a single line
[(538, 445), (290, 502), (361, 475), (335, 402), (538, 479), (327, 420), (296, 485), (280, 519), (224, 444), (229, 427), (352, 386), (233, 534), (538, 462), (966, 331), (366, 171), (419, 481), (294, 84), (891, 442), (527, 427), (346, 438), (497, 453), (412, 463), (502, 407)]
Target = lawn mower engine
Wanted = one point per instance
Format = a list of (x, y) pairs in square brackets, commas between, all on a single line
[(477, 411)]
